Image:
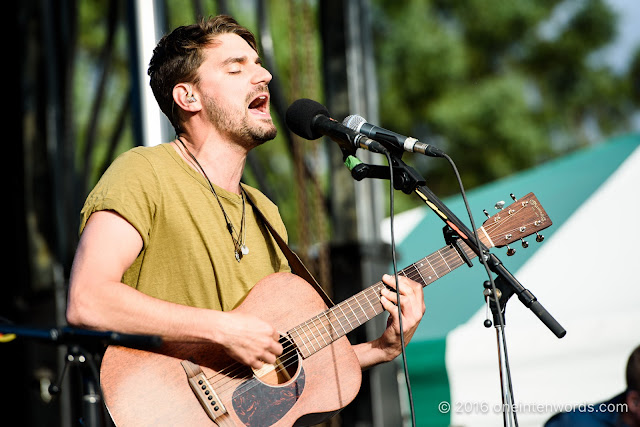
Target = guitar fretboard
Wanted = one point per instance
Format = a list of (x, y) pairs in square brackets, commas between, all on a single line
[(323, 329)]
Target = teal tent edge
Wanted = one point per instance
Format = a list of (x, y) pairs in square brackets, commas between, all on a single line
[(561, 186)]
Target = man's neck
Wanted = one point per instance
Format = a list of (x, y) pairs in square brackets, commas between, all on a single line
[(222, 163)]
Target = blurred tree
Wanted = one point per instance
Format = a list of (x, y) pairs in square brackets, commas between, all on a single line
[(500, 86)]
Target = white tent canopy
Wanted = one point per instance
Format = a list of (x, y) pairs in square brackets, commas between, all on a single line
[(582, 274)]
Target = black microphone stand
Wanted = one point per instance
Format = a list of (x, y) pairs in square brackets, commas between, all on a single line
[(82, 348), (408, 180)]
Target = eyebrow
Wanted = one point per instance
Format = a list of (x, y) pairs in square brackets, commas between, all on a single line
[(239, 60)]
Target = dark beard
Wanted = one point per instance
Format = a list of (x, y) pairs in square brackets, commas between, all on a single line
[(251, 137), (246, 136)]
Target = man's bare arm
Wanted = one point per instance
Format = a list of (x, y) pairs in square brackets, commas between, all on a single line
[(99, 300)]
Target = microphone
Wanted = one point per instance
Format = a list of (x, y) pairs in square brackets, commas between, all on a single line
[(397, 141), (310, 120)]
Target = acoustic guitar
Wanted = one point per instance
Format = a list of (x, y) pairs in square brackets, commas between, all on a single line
[(318, 373)]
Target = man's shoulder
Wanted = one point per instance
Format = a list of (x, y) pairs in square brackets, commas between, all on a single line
[(147, 152)]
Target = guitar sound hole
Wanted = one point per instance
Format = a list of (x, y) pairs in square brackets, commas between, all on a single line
[(285, 367)]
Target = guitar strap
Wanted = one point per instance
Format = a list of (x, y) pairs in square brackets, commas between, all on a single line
[(294, 261)]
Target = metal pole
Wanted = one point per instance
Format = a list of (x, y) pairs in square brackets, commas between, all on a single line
[(148, 24)]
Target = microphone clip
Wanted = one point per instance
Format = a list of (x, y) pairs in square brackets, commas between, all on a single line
[(405, 178)]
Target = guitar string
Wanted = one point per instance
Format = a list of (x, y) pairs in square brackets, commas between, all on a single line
[(450, 256)]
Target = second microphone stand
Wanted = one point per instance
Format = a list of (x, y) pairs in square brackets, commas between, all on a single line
[(408, 180)]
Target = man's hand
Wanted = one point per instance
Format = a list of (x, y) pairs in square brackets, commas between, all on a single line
[(250, 340), (413, 308), (389, 345)]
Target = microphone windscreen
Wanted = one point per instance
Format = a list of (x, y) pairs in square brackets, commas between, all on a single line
[(300, 115)]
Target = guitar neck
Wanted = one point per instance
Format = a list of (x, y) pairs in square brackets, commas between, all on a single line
[(339, 320)]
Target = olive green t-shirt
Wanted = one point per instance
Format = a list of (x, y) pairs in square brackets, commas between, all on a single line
[(188, 256)]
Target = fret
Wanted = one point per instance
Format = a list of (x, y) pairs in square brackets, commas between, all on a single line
[(431, 265), (304, 330), (374, 292), (355, 315), (344, 331), (445, 261), (363, 310), (420, 274), (319, 333), (346, 317), (329, 334), (429, 278), (300, 342)]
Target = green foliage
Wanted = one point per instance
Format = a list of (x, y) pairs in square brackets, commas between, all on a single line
[(500, 85), (482, 79)]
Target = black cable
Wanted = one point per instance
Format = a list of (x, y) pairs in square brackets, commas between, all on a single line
[(483, 261), (395, 274)]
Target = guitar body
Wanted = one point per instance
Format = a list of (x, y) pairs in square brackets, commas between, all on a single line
[(151, 387)]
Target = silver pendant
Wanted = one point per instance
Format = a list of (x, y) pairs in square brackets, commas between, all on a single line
[(244, 249), (237, 256)]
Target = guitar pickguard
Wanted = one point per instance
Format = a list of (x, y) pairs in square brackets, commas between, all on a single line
[(259, 405)]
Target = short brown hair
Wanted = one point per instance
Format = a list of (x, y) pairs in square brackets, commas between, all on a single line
[(178, 56)]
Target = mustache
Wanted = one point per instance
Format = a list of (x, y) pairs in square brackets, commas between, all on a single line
[(258, 90)]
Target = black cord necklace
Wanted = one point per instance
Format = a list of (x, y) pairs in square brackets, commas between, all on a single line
[(239, 237)]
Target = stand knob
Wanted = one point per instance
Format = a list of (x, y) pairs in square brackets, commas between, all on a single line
[(487, 293)]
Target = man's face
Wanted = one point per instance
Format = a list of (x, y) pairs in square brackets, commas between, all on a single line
[(234, 90)]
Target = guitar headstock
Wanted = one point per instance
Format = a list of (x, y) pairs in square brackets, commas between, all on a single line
[(522, 218)]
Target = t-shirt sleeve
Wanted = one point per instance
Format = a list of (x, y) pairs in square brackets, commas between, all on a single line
[(130, 188)]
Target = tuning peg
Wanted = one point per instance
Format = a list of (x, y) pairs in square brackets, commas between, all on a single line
[(510, 251), (486, 213), (525, 244), (539, 237), (499, 205), (513, 197)]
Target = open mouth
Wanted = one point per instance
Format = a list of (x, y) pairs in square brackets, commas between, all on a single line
[(260, 104)]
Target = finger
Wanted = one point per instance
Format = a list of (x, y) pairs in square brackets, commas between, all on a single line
[(256, 364), (276, 349), (404, 285), (268, 358), (390, 295), (390, 306), (389, 280)]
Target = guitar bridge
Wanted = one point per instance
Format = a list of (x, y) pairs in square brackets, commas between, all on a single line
[(202, 389)]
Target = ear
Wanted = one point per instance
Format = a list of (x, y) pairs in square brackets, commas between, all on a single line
[(185, 98)]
